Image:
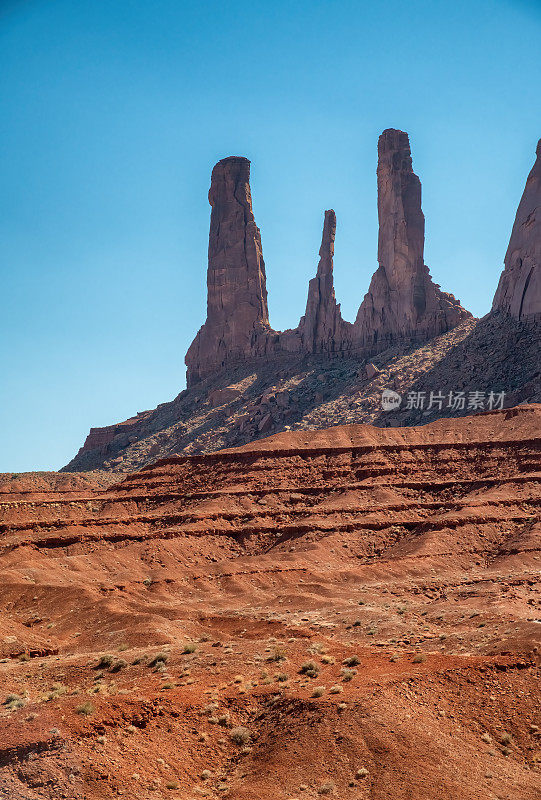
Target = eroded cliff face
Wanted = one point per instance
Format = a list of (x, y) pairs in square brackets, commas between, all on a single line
[(519, 289), (402, 301)]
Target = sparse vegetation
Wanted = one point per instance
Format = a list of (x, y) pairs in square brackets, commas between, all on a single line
[(336, 689), (277, 655), (419, 658), (240, 735), (319, 691), (348, 674), (86, 709), (351, 661), (188, 648), (160, 658), (105, 661), (310, 668), (361, 773)]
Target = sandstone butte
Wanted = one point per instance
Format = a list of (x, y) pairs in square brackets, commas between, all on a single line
[(246, 380), (352, 612)]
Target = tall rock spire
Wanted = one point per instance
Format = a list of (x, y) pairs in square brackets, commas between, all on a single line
[(322, 328), (519, 289), (237, 314), (402, 300)]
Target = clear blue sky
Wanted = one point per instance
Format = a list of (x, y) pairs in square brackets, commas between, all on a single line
[(113, 114)]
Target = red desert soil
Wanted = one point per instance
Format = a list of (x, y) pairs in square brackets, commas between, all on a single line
[(352, 613)]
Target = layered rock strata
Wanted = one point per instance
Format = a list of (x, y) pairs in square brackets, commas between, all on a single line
[(519, 289)]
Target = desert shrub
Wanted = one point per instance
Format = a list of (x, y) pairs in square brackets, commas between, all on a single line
[(14, 701), (319, 691), (348, 674), (351, 661), (117, 665), (277, 655), (240, 735), (310, 668), (361, 773), (160, 658), (419, 658), (188, 648), (105, 662), (335, 689), (326, 788), (223, 720), (86, 709), (327, 660), (172, 785), (505, 738), (206, 775), (281, 677)]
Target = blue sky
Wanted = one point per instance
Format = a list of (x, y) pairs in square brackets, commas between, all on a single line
[(113, 115)]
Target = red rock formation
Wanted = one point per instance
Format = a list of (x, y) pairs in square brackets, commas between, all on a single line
[(402, 300), (519, 289), (237, 315), (322, 328)]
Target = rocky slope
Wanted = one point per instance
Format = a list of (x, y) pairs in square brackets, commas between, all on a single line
[(248, 402), (319, 613)]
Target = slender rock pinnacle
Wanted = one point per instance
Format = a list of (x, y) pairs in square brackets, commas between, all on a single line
[(322, 328), (402, 300), (237, 314)]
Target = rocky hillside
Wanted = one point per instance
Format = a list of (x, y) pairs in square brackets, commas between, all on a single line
[(242, 404), (341, 608)]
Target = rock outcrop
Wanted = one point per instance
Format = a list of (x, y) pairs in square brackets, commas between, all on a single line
[(519, 289), (237, 322), (322, 329), (402, 301)]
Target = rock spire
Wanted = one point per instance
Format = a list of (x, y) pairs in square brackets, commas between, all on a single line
[(322, 329), (402, 300), (237, 315), (519, 289)]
